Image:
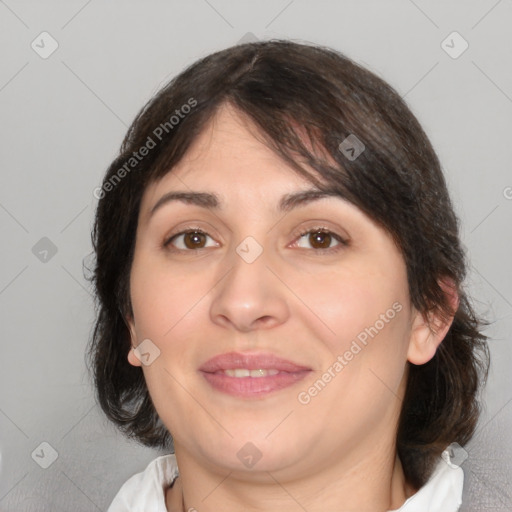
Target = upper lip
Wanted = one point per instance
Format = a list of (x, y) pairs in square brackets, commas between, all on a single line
[(266, 361)]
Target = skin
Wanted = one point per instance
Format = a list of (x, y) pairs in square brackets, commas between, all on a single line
[(336, 452)]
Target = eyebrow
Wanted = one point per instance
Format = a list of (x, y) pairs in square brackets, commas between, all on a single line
[(211, 201)]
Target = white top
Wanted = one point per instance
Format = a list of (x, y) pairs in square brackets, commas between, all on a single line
[(145, 491)]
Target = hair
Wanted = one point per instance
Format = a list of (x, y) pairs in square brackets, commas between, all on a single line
[(305, 100)]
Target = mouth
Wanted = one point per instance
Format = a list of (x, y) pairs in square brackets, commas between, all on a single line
[(251, 375)]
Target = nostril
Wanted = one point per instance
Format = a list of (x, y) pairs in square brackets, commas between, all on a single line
[(265, 320)]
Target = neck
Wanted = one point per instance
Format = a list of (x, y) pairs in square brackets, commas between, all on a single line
[(376, 482)]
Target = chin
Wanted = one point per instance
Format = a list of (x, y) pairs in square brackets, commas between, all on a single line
[(248, 455)]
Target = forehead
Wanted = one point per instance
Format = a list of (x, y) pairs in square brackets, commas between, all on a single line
[(230, 156)]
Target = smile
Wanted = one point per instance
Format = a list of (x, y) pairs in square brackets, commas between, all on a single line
[(251, 375)]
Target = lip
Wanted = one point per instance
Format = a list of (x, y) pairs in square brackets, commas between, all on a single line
[(251, 387)]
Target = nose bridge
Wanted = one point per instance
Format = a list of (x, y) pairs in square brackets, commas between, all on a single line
[(249, 266), (249, 296)]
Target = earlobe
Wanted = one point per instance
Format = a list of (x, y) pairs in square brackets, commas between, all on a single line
[(132, 358), (429, 329), (423, 342)]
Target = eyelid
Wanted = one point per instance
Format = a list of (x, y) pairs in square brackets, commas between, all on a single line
[(183, 230), (344, 241)]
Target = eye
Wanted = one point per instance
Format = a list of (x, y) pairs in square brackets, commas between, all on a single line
[(190, 240), (320, 239)]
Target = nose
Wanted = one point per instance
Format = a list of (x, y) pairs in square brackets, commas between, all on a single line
[(250, 296)]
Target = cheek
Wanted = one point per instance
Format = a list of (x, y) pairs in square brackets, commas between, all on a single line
[(168, 310), (368, 349), (354, 304), (162, 300), (367, 315)]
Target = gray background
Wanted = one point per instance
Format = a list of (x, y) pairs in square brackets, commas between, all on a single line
[(62, 120)]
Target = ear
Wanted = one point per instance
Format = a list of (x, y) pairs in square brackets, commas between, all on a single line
[(132, 358), (429, 330)]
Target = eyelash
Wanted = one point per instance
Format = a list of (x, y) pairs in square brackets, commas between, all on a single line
[(342, 242)]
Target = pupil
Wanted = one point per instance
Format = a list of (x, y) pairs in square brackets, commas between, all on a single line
[(194, 240), (320, 239)]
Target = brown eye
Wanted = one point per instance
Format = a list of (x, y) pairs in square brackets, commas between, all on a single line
[(194, 240), (320, 240), (190, 240)]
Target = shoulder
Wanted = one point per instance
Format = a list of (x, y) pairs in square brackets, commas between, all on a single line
[(146, 490)]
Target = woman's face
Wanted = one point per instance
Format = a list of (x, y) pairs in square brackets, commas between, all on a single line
[(306, 289)]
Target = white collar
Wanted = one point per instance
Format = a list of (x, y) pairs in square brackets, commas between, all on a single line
[(146, 490)]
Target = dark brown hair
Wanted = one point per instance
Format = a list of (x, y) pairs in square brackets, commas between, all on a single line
[(306, 100)]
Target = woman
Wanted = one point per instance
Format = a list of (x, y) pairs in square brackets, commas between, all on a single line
[(280, 288)]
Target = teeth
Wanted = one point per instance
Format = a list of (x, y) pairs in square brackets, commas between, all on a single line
[(244, 372)]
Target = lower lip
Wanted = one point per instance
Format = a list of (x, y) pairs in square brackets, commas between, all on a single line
[(253, 387)]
